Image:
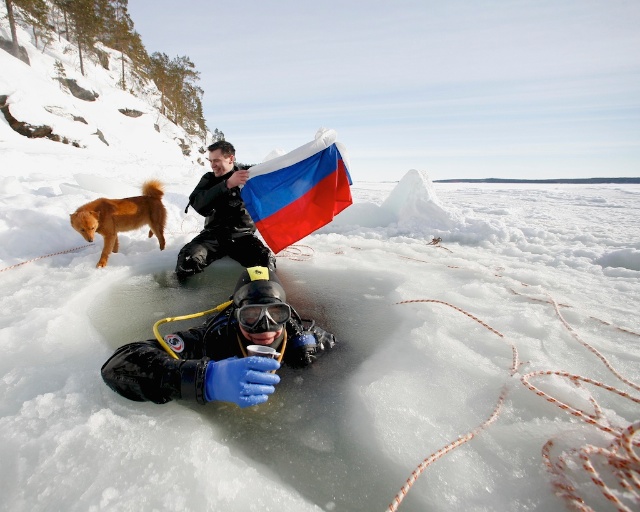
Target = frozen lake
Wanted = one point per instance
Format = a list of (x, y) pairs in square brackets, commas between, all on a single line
[(405, 381)]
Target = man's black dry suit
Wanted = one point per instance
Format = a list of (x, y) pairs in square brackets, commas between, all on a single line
[(228, 228), (144, 371)]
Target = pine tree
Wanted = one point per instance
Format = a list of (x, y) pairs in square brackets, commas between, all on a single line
[(86, 24), (35, 13), (15, 47), (137, 52), (180, 97), (217, 135), (117, 31), (181, 78), (158, 71), (108, 21), (61, 74), (63, 7), (198, 116)]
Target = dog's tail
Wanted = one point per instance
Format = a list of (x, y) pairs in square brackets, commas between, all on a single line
[(153, 188)]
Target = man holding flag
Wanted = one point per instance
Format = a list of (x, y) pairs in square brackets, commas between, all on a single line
[(228, 228), (287, 198)]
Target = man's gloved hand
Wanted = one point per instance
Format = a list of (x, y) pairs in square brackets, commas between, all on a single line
[(245, 381), (325, 339)]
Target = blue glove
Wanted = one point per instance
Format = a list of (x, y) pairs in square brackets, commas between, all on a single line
[(245, 381)]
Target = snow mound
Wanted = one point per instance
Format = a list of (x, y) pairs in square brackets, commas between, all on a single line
[(415, 205), (624, 258), (413, 210), (274, 154)]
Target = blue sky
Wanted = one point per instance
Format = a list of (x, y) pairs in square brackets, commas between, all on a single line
[(532, 89)]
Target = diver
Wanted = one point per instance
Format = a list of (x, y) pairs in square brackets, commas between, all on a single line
[(210, 362)]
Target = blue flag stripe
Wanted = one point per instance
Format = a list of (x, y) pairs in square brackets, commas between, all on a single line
[(266, 194)]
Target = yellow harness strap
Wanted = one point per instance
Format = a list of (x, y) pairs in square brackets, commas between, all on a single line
[(183, 317)]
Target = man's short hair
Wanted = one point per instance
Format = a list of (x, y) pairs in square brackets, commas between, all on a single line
[(226, 148)]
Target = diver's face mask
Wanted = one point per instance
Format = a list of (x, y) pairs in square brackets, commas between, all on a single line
[(255, 318)]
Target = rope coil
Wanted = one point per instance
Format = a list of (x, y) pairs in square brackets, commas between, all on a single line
[(297, 252), (619, 456)]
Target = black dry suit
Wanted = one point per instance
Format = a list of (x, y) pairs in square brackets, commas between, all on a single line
[(228, 229), (224, 209), (144, 371)]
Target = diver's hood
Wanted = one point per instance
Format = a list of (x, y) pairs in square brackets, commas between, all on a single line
[(258, 285)]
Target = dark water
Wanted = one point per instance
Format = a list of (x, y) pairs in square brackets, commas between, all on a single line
[(308, 431)]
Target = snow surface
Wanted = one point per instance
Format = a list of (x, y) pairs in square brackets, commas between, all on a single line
[(344, 435)]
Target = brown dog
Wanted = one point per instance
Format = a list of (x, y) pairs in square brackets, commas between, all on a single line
[(109, 216)]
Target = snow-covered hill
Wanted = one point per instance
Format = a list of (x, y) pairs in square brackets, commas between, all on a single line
[(89, 111)]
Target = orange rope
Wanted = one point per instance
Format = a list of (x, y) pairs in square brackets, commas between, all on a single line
[(395, 503), (621, 329), (45, 256), (622, 461), (590, 348), (588, 418), (620, 455), (296, 253), (191, 230)]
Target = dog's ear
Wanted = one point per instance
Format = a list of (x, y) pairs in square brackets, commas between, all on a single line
[(96, 214)]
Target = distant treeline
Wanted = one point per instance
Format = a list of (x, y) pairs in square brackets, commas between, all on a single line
[(577, 181), (86, 23)]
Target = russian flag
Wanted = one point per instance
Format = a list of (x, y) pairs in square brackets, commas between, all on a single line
[(291, 196)]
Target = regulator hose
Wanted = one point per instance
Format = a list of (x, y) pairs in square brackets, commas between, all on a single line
[(183, 317)]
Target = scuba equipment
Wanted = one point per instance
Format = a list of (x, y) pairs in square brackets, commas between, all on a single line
[(255, 318), (258, 306), (260, 301), (309, 342), (209, 361), (306, 347), (183, 317), (258, 285)]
